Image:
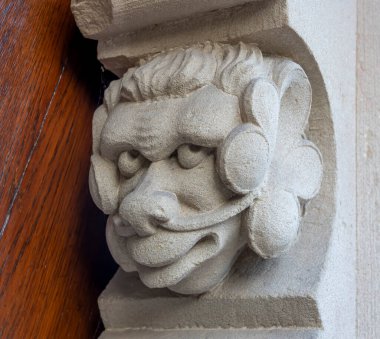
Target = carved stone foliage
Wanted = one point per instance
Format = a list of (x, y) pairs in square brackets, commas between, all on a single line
[(198, 153)]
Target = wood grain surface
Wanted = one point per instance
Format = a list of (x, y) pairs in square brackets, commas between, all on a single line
[(368, 169), (53, 257)]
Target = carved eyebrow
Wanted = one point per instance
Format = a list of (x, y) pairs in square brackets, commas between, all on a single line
[(158, 129)]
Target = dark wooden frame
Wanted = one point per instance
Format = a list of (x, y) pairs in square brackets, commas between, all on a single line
[(53, 257)]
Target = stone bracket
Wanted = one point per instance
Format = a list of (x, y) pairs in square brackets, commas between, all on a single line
[(308, 292)]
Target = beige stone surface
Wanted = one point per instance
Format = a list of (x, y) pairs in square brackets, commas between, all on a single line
[(319, 268), (103, 18), (243, 301), (368, 167), (210, 334), (294, 277), (199, 153)]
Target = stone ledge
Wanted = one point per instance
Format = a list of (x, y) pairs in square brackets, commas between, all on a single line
[(325, 261), (98, 19), (239, 302), (210, 334)]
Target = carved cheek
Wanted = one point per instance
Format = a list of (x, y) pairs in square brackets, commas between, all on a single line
[(197, 189), (200, 187)]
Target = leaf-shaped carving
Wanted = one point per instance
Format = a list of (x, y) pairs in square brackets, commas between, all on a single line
[(243, 160), (301, 172), (261, 104), (295, 95), (273, 223)]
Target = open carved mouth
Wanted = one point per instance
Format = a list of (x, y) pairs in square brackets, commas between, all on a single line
[(180, 245), (158, 252), (171, 273), (166, 257)]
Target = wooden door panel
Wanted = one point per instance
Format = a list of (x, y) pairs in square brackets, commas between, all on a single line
[(53, 257)]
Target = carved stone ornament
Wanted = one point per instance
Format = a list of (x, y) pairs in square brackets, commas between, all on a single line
[(198, 153), (207, 157)]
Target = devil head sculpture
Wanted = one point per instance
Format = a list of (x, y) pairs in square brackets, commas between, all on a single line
[(198, 153)]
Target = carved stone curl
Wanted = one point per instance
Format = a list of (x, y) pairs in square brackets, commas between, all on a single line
[(199, 152)]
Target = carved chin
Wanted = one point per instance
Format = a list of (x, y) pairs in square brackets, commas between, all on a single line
[(185, 262), (211, 273)]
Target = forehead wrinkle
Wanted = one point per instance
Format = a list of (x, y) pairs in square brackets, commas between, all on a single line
[(157, 128), (137, 126)]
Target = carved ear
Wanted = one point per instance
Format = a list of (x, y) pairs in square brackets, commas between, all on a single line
[(243, 159), (104, 184)]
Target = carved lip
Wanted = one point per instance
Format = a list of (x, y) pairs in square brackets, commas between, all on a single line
[(165, 248), (167, 257), (205, 245), (171, 274), (181, 237)]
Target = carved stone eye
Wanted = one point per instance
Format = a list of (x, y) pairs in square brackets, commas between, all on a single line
[(190, 156), (130, 162)]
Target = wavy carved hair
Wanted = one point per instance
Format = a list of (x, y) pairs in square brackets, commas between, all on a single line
[(182, 70), (231, 68)]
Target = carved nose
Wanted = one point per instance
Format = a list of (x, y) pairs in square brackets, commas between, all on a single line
[(145, 211)]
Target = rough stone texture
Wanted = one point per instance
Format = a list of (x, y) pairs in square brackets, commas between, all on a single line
[(368, 166), (210, 334), (98, 19), (198, 153), (321, 264), (241, 302)]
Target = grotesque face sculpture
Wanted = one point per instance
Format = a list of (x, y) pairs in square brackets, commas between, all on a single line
[(198, 153)]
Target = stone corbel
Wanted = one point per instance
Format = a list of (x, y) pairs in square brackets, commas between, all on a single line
[(224, 155)]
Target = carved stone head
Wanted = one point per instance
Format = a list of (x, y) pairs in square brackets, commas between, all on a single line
[(199, 153)]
